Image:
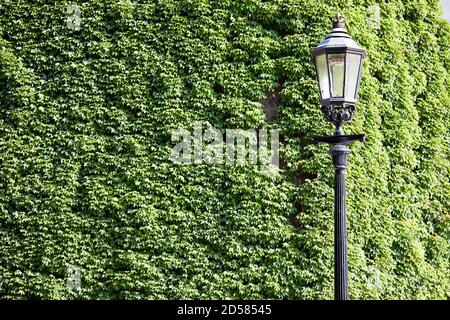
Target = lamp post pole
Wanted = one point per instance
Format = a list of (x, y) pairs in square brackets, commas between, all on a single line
[(338, 61), (340, 153)]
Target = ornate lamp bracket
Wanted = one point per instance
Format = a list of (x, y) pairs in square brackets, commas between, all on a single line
[(338, 115)]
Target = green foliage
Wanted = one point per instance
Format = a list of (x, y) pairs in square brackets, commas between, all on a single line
[(86, 177)]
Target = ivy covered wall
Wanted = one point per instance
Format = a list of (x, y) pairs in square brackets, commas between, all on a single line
[(87, 108)]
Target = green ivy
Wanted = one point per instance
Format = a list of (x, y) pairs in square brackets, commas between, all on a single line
[(85, 139)]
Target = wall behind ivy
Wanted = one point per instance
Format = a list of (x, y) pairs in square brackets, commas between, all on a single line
[(85, 139)]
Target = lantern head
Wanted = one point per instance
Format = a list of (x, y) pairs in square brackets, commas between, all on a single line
[(338, 60)]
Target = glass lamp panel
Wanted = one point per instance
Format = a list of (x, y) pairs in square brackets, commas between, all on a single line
[(352, 75), (322, 74), (336, 64)]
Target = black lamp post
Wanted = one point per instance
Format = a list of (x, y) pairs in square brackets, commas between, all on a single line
[(338, 61)]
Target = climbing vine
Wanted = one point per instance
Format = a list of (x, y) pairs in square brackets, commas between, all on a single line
[(90, 92)]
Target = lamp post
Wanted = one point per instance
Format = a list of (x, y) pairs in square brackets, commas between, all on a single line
[(338, 60)]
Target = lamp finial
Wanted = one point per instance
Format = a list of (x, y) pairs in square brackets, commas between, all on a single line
[(338, 21)]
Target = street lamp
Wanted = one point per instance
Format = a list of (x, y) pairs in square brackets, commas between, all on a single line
[(338, 60)]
